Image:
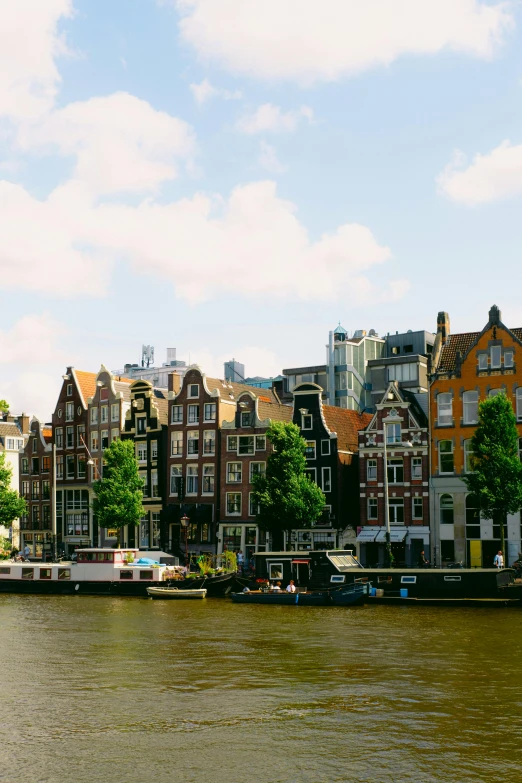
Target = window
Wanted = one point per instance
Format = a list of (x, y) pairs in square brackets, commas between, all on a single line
[(148, 575), (46, 490), (446, 456), (59, 437), (193, 391), (59, 467), (402, 372), (69, 411), (232, 442), (94, 441), (45, 573), (26, 488), (325, 448), (508, 358), (144, 477), (141, 452), (494, 392), (36, 490), (395, 470), (46, 515), (396, 509), (445, 410), (446, 509), (175, 478), (25, 465), (27, 573), (234, 472), (141, 425), (209, 442), (94, 470), (210, 411), (416, 468), (192, 480), (46, 464), (519, 403), (193, 443), (260, 443), (69, 434), (125, 575), (253, 507), (483, 361), (373, 512), (408, 580), (35, 516), (257, 469), (246, 419), (470, 407), (496, 352), (307, 421), (104, 412), (176, 444), (468, 456), (193, 414), (311, 473), (35, 465), (310, 449), (80, 434), (208, 479), (371, 470), (115, 434), (177, 414), (69, 390), (327, 479), (70, 466), (82, 470), (115, 411), (472, 518), (105, 439), (94, 415), (233, 503), (10, 444), (155, 528), (417, 508), (245, 444), (393, 433), (154, 483), (275, 571)]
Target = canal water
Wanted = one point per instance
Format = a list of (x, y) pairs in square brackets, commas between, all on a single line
[(132, 691)]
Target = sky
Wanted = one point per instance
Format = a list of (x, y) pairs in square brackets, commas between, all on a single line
[(232, 178)]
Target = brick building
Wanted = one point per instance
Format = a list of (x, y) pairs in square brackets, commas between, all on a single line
[(467, 368), (36, 481), (401, 422)]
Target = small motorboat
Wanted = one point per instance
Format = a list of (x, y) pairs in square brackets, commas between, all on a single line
[(175, 592), (349, 595)]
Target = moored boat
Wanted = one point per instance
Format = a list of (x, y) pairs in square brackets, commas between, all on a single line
[(216, 585), (350, 595), (174, 593)]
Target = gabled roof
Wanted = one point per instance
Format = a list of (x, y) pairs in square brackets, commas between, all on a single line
[(274, 411), (228, 388), (9, 429), (86, 382), (346, 423), (418, 404), (124, 389), (160, 401)]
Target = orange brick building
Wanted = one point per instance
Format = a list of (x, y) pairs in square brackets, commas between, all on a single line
[(468, 368)]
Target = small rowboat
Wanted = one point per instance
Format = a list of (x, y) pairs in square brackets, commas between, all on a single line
[(174, 592)]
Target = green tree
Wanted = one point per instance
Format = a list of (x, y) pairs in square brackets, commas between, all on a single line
[(4, 406), (496, 481), (12, 505), (285, 496), (119, 493)]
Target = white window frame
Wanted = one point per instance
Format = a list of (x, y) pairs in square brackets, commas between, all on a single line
[(69, 411), (193, 413), (192, 473), (395, 438), (496, 357), (59, 437), (416, 502), (309, 445), (483, 361), (115, 411), (309, 472), (251, 469), (209, 472), (446, 508), (279, 575), (325, 448), (175, 410), (154, 484), (446, 472), (257, 438), (307, 419), (141, 452), (233, 513), (232, 439), (209, 436), (190, 393), (251, 511), (94, 415), (470, 403), (95, 441), (252, 448), (176, 437), (236, 472), (246, 418), (445, 409), (326, 479), (372, 503), (176, 472), (408, 580), (395, 464), (395, 503), (115, 434), (192, 436), (69, 390), (508, 363), (210, 407), (416, 462), (370, 464), (154, 449), (104, 414)]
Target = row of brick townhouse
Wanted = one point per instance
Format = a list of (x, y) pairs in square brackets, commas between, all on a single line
[(36, 482)]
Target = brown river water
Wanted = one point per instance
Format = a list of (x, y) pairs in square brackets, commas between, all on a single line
[(137, 691)]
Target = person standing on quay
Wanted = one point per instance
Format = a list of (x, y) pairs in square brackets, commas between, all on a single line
[(498, 560)]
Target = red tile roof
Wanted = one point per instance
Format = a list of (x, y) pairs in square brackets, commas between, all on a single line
[(86, 383), (346, 424)]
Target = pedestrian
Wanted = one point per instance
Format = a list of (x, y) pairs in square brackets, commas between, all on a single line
[(498, 560), (240, 561), (27, 551), (423, 563)]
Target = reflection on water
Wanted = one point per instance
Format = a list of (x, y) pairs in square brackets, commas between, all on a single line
[(130, 690)]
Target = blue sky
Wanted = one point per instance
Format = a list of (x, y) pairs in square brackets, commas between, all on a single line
[(233, 177)]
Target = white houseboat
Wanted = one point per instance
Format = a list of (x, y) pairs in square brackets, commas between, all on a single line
[(96, 572)]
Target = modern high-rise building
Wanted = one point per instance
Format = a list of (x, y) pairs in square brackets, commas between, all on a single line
[(234, 371)]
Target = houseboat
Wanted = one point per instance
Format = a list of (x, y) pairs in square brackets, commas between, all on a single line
[(318, 570), (112, 572)]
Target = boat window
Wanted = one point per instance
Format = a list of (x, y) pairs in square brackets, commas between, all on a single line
[(452, 578), (45, 573), (126, 575), (384, 579), (337, 578), (64, 573), (4, 570), (146, 575), (361, 580), (27, 573), (408, 580), (275, 571)]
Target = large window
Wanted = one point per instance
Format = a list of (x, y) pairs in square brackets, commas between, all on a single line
[(245, 444), (94, 415), (69, 411), (470, 407), (69, 432), (416, 468), (94, 441), (261, 443), (59, 437), (373, 511), (371, 470), (396, 509), (310, 449), (257, 469), (192, 480), (115, 411), (177, 414), (327, 479), (154, 483), (141, 452), (395, 470), (233, 503), (446, 464), (496, 353), (210, 411), (417, 511), (393, 433), (176, 444), (209, 441), (234, 472), (468, 456), (175, 479), (445, 410), (193, 443), (104, 413), (483, 361), (193, 414), (508, 358), (446, 509), (70, 466), (403, 372), (208, 479)]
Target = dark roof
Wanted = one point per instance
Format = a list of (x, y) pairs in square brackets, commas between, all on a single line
[(416, 405), (463, 343), (346, 423), (162, 404), (234, 390)]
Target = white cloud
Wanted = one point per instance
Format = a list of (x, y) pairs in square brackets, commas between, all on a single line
[(324, 40), (491, 177), (270, 119), (29, 45), (268, 159), (120, 142), (251, 244), (204, 91), (32, 340)]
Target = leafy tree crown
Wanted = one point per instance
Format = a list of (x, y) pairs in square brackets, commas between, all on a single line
[(119, 493)]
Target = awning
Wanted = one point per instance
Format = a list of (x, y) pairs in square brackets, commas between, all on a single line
[(397, 535), (304, 562), (367, 534)]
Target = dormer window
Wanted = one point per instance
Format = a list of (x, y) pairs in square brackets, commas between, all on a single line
[(193, 391), (246, 419)]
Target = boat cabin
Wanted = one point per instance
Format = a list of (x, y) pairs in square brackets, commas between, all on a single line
[(311, 569)]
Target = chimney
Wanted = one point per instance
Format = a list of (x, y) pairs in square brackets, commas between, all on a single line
[(443, 326), (23, 423), (174, 382)]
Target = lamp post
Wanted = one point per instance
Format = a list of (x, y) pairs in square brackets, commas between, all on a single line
[(185, 523)]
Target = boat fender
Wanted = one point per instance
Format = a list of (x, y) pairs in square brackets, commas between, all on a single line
[(76, 586), (297, 598)]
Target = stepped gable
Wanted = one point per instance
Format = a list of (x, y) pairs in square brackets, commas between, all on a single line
[(346, 423)]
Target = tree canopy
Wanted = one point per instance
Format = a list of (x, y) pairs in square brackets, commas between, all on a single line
[(496, 480), (285, 496), (4, 406), (12, 505), (119, 493)]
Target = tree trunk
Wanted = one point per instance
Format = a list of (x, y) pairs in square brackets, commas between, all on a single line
[(118, 538)]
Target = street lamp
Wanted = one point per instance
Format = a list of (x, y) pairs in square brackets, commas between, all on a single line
[(185, 520)]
